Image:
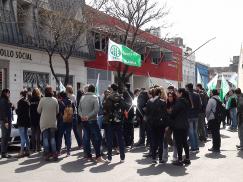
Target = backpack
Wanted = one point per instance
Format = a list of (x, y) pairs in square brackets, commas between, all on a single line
[(116, 108), (233, 103), (220, 112), (68, 114)]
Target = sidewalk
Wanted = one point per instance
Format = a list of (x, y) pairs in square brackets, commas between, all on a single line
[(206, 167)]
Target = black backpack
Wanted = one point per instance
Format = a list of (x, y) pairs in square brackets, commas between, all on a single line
[(220, 112), (117, 108)]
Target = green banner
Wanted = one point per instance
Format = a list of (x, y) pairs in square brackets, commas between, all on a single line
[(120, 53)]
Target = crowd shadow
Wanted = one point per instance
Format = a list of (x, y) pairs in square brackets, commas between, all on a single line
[(76, 166), (104, 168), (240, 154), (169, 169), (215, 155), (138, 149), (224, 136), (7, 161)]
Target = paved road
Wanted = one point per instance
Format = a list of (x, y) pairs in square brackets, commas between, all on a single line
[(224, 167)]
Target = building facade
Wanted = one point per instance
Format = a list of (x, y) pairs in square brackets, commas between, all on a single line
[(24, 63)]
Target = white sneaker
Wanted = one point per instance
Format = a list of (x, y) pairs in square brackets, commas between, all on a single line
[(122, 161)]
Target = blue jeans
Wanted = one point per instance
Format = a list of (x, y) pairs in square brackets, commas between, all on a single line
[(233, 116), (100, 121), (91, 133), (115, 129), (193, 136), (24, 138), (77, 134), (64, 128), (49, 141)]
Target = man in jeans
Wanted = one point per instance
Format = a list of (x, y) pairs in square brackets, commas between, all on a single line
[(5, 121), (240, 117), (193, 114), (88, 111)]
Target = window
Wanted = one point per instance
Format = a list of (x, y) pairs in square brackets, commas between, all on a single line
[(100, 41), (156, 60), (62, 79), (35, 79)]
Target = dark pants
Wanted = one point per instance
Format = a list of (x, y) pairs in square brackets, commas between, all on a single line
[(111, 130), (92, 132), (128, 132), (5, 138), (77, 130), (142, 130), (157, 136), (35, 137), (202, 126), (181, 142), (64, 128), (228, 117), (214, 126)]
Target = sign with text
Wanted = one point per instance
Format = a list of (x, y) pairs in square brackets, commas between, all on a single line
[(10, 53)]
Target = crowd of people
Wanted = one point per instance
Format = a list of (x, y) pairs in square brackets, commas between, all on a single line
[(179, 119)]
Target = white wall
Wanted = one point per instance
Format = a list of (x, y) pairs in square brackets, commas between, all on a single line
[(40, 63)]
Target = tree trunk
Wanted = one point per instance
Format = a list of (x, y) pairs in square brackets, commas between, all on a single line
[(67, 72), (52, 69)]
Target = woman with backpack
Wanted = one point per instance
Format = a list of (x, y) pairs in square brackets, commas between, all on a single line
[(181, 126), (65, 118), (157, 116), (23, 122)]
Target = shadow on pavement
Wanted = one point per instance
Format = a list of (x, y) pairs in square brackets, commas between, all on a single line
[(104, 168), (224, 136), (33, 163), (215, 155), (138, 150), (76, 166), (6, 161), (144, 161), (165, 168), (240, 154)]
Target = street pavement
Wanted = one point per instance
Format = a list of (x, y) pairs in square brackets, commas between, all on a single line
[(226, 166)]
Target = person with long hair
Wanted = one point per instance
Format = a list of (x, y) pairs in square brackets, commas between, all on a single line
[(157, 116), (72, 97), (23, 122), (5, 121), (181, 125), (171, 99), (48, 108), (35, 120)]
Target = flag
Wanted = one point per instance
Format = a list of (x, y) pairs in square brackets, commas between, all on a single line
[(199, 78), (224, 88), (212, 84), (97, 90), (234, 80), (61, 87), (150, 81), (121, 53)]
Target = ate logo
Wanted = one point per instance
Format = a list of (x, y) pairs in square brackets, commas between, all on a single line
[(115, 51)]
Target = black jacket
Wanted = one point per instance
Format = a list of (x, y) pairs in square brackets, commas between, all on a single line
[(23, 112), (34, 115), (128, 98), (156, 112), (5, 110), (195, 105), (141, 104), (179, 114)]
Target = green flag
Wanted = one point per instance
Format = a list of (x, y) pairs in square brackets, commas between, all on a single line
[(121, 53), (224, 88), (212, 84)]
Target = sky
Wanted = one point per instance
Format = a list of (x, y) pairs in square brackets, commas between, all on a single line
[(197, 21)]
